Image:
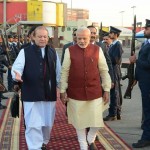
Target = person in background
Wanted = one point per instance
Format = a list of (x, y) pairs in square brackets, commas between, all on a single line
[(16, 44), (115, 53), (1, 105), (12, 54), (37, 68), (142, 75), (69, 44), (80, 86), (2, 86), (2, 64), (21, 39), (107, 40)]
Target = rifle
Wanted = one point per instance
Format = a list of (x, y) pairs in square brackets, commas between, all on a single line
[(6, 46), (25, 39), (10, 52), (19, 34), (101, 32), (130, 67)]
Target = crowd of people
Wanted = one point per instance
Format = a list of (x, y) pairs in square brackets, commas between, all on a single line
[(86, 79)]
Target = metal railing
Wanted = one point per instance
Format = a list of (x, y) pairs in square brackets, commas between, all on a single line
[(16, 19)]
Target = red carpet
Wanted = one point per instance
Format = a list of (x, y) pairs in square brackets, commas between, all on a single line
[(63, 136)]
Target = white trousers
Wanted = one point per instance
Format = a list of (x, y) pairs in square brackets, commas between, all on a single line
[(42, 135), (83, 138), (39, 119)]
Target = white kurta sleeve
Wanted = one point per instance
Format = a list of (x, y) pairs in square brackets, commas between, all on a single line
[(65, 71), (19, 64), (58, 69), (103, 68)]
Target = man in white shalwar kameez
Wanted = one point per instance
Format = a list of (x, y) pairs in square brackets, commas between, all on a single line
[(37, 67), (84, 75)]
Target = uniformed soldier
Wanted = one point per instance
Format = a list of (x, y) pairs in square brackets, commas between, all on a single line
[(142, 75), (16, 44), (12, 56), (115, 52), (3, 62)]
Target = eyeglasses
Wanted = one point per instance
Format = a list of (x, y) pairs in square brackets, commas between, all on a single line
[(74, 34)]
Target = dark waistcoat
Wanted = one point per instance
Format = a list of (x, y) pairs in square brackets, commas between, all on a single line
[(34, 75), (84, 77)]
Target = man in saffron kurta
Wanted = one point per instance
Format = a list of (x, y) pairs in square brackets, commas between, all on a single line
[(81, 88)]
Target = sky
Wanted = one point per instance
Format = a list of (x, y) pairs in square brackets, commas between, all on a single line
[(113, 12)]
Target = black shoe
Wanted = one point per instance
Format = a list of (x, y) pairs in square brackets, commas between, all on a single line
[(4, 97), (3, 106), (141, 143), (92, 146), (43, 147), (118, 117), (110, 118)]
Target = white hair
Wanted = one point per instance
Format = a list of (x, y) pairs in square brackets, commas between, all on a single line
[(40, 28), (83, 28)]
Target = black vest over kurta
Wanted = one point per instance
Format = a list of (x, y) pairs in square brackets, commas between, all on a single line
[(33, 87)]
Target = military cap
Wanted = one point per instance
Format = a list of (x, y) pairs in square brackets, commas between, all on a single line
[(10, 36), (15, 36), (31, 30), (147, 23), (114, 30), (106, 34), (20, 36)]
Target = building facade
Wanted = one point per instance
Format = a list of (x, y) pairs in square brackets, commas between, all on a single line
[(75, 14)]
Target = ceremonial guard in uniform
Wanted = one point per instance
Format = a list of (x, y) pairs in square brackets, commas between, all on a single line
[(115, 53), (11, 53), (16, 44), (3, 62), (142, 75)]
